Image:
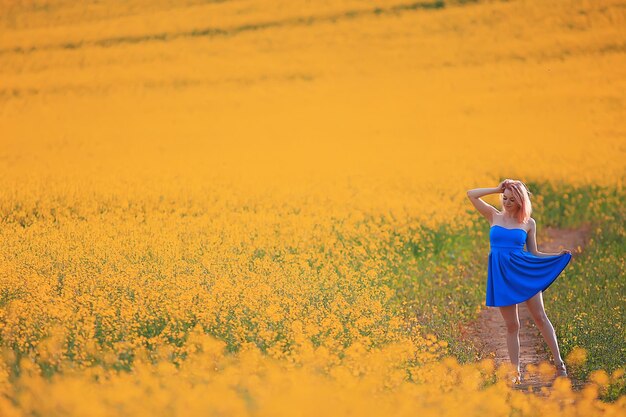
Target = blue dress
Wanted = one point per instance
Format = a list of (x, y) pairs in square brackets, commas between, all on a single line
[(515, 275)]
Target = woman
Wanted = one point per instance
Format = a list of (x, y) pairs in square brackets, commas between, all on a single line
[(514, 275)]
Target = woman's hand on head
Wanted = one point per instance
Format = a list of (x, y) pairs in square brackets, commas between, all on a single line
[(503, 184)]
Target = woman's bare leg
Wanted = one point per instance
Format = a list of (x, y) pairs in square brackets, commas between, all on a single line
[(511, 318), (535, 306)]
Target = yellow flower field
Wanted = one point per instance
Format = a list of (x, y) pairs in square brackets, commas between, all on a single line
[(205, 206)]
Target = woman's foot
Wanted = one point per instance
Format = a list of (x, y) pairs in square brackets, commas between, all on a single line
[(561, 370), (517, 379)]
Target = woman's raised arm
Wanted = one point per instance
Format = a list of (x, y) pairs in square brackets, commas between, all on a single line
[(484, 208)]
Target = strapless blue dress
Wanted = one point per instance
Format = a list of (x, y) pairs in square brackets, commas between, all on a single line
[(515, 275)]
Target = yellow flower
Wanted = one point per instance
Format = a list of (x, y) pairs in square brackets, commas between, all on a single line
[(577, 356)]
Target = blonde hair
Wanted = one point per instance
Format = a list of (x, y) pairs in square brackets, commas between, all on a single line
[(522, 195)]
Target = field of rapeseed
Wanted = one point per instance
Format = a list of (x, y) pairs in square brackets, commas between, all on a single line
[(240, 208)]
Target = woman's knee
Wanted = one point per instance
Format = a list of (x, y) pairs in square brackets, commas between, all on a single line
[(541, 320), (511, 318), (512, 326)]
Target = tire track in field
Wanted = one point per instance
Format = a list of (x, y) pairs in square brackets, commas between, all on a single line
[(213, 32), (488, 332)]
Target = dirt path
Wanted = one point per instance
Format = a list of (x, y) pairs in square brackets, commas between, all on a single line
[(488, 331)]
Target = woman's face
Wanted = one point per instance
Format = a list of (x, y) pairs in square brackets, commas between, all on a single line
[(509, 201)]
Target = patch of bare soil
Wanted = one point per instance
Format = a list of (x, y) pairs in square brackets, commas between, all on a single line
[(488, 332)]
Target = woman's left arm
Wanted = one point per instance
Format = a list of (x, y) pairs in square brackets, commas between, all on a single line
[(531, 242)]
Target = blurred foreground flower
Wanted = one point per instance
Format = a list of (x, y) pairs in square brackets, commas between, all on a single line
[(577, 357)]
